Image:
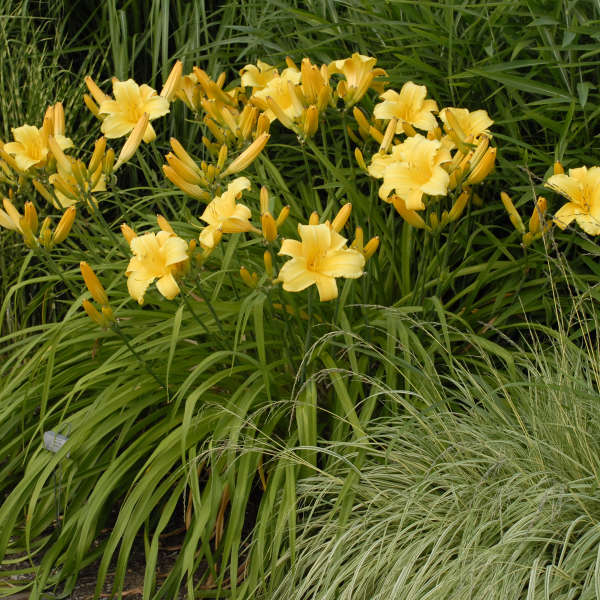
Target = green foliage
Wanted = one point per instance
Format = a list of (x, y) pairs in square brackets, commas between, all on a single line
[(433, 396)]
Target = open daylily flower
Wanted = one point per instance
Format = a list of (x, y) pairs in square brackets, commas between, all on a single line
[(131, 101), (408, 106), (582, 188), (471, 123), (258, 76), (359, 72), (223, 215), (418, 171), (318, 259), (30, 148), (284, 92), (155, 256)]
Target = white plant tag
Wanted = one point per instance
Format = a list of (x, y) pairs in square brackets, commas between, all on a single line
[(53, 441)]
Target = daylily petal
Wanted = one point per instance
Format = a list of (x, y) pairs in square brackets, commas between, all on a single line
[(137, 287), (167, 286), (315, 238), (291, 248), (343, 263), (295, 276), (327, 287), (566, 213)]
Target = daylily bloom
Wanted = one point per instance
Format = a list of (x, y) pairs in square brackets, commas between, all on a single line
[(30, 147), (258, 76), (281, 99), (582, 188), (131, 102), (473, 123), (318, 259), (155, 256), (418, 172), (408, 106), (359, 72), (223, 215)]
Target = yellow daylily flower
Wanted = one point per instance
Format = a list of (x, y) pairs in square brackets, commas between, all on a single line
[(408, 106), (582, 188), (359, 73), (318, 259), (224, 215), (10, 217), (131, 102), (30, 148), (474, 123), (280, 99), (155, 256), (418, 172), (258, 76)]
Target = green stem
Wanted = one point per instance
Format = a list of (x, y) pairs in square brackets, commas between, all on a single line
[(210, 306), (115, 327)]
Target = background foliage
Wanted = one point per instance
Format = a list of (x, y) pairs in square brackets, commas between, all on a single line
[(491, 363)]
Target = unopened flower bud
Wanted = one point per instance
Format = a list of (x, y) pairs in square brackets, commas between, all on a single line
[(249, 280), (64, 225), (93, 314), (459, 206), (93, 284), (388, 136), (311, 121), (248, 156), (128, 233), (484, 167), (360, 159), (283, 215), (269, 227), (342, 217), (133, 141), (268, 260), (164, 224), (558, 168), (535, 223), (371, 247), (314, 218), (513, 215), (172, 82), (31, 217), (98, 155)]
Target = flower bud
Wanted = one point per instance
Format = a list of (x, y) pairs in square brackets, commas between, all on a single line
[(410, 216), (190, 189), (311, 122), (341, 218), (264, 199), (64, 225), (388, 136), (283, 215), (269, 227), (92, 106), (513, 215), (172, 82), (483, 168), (358, 242), (459, 206), (98, 155), (371, 247), (535, 223), (558, 168), (45, 236), (247, 157), (133, 141), (64, 164), (268, 260), (164, 224), (93, 284), (249, 280), (360, 159), (128, 233), (31, 217), (93, 314), (314, 218), (98, 95)]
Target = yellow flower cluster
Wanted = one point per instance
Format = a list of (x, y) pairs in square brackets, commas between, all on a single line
[(421, 159)]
